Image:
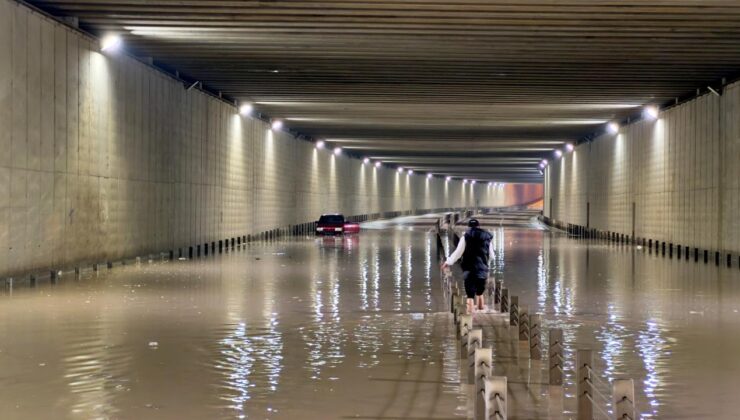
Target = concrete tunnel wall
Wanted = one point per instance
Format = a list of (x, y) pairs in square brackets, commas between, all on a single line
[(681, 171), (103, 157)]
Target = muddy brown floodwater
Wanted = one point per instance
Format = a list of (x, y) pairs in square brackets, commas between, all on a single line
[(357, 327)]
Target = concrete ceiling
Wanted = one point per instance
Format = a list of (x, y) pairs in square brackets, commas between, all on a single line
[(480, 88)]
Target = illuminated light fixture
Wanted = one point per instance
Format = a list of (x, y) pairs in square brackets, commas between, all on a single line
[(320, 144), (652, 112), (111, 43), (377, 164), (472, 182), (411, 171), (429, 176), (277, 125), (569, 147), (490, 184), (448, 179), (613, 128), (365, 161), (400, 169), (337, 151), (246, 109), (465, 181), (558, 153), (544, 162)]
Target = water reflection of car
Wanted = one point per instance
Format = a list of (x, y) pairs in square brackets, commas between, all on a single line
[(335, 224), (346, 242)]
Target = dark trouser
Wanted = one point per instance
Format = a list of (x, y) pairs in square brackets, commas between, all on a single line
[(474, 284)]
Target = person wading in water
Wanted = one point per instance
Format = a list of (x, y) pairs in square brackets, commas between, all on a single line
[(476, 250)]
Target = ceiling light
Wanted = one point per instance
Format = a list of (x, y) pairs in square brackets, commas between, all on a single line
[(429, 176), (246, 109), (465, 181), (411, 171), (337, 151), (400, 169), (277, 125), (490, 184), (472, 182), (448, 179), (652, 112), (569, 147), (111, 43), (366, 161), (613, 128), (320, 144), (544, 162), (558, 153), (377, 164)]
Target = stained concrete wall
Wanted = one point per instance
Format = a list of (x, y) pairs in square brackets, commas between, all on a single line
[(680, 172), (103, 157)]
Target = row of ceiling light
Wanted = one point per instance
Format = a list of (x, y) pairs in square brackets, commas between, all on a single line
[(113, 43), (277, 125), (649, 113)]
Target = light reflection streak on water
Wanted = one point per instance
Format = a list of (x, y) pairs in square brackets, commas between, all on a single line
[(397, 267), (612, 336), (376, 277), (428, 273), (499, 251), (409, 267), (325, 338), (252, 362), (364, 279), (651, 345), (542, 286)]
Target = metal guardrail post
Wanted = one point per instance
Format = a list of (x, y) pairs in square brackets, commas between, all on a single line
[(495, 398), (514, 311), (584, 387), (624, 399), (535, 343), (466, 325), (475, 341), (482, 370), (555, 355), (523, 323), (504, 300)]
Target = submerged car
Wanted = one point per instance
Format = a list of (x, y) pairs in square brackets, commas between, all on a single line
[(335, 224)]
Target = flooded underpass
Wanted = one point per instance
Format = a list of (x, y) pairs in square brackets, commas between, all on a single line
[(359, 327)]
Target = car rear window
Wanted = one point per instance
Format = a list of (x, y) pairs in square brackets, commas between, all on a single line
[(331, 218)]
